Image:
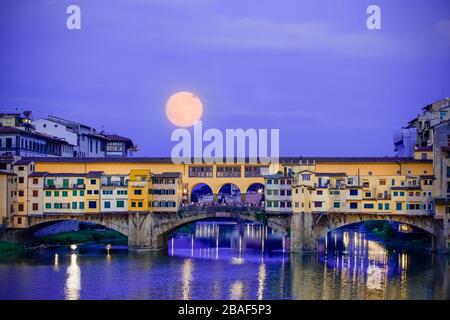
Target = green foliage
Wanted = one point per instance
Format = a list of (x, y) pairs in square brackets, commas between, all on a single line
[(261, 217), (11, 247), (81, 236)]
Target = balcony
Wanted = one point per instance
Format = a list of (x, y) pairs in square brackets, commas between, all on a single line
[(114, 184)]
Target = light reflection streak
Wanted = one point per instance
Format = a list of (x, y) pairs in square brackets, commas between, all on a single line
[(73, 281), (56, 263), (261, 280), (187, 269), (237, 291)]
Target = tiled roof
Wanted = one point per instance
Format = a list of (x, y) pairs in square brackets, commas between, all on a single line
[(421, 148), (167, 175), (331, 174), (94, 174), (14, 130), (406, 188), (37, 174)]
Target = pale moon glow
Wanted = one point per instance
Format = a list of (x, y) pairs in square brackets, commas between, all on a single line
[(184, 109)]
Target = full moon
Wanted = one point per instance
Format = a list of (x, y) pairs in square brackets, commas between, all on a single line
[(184, 109)]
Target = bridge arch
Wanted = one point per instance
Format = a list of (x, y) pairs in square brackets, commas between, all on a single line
[(117, 223), (229, 193), (336, 221), (254, 194), (201, 188), (278, 223)]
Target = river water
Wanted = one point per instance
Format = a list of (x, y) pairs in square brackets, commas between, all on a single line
[(225, 260)]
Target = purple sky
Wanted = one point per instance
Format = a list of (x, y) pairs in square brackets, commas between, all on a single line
[(310, 68)]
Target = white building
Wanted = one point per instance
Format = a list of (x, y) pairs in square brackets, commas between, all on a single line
[(114, 193), (278, 193)]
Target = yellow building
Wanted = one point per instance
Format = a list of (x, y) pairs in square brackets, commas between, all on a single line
[(166, 192), (139, 185), (363, 185), (92, 197)]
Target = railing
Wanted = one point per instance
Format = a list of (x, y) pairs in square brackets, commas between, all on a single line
[(220, 208), (114, 184)]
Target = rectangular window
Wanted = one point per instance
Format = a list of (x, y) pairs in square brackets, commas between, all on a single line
[(395, 193), (56, 193), (140, 204), (353, 192), (386, 206), (35, 207), (80, 181), (201, 171), (353, 205), (81, 205), (21, 180), (107, 205), (50, 182), (65, 183), (336, 205), (228, 171), (92, 204), (94, 181), (35, 193), (48, 206), (398, 206), (368, 205), (74, 193), (133, 204), (64, 193), (74, 205), (317, 204), (380, 206), (120, 204), (81, 193)]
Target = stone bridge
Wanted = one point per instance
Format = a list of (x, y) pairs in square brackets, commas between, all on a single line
[(148, 231), (308, 228)]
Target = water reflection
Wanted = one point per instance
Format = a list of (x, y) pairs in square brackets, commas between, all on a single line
[(187, 278), (73, 282), (237, 290), (223, 260)]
